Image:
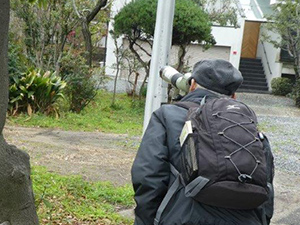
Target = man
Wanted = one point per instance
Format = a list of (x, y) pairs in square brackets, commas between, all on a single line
[(160, 147)]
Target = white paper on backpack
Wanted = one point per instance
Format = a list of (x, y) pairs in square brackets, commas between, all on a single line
[(186, 131)]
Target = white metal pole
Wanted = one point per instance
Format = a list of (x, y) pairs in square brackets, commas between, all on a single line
[(157, 89)]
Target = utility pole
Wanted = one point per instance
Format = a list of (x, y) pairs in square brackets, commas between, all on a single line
[(157, 89)]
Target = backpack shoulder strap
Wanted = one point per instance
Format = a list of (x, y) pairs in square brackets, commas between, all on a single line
[(172, 190)]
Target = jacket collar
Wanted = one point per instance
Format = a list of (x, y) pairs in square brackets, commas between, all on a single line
[(197, 95)]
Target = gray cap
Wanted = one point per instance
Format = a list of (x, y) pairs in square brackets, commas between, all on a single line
[(217, 75)]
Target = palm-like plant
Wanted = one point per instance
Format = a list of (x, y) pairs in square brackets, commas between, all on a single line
[(36, 92)]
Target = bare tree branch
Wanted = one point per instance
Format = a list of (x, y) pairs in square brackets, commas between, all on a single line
[(100, 4), (143, 49), (75, 9)]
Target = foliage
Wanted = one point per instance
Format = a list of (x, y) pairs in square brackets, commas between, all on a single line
[(71, 200), (41, 3), (86, 16), (82, 87), (286, 23), (127, 118), (137, 21), (35, 92), (191, 23), (17, 63), (51, 30), (45, 30), (81, 91), (220, 12), (281, 86), (17, 60)]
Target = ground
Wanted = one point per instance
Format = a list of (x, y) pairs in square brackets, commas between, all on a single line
[(100, 156), (96, 156)]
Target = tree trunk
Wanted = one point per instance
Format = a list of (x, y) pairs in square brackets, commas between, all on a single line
[(85, 21), (118, 59), (135, 84), (181, 54), (16, 196), (145, 65), (296, 91), (115, 87), (87, 40), (297, 65), (4, 22)]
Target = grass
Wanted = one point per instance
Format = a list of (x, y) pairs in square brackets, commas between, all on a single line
[(71, 200), (124, 117)]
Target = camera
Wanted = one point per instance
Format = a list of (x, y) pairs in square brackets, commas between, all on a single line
[(178, 80)]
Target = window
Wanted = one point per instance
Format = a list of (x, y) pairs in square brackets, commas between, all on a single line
[(285, 56)]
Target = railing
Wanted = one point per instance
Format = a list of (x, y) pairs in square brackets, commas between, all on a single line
[(266, 56)]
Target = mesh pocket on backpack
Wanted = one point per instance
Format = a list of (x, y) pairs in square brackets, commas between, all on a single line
[(189, 159)]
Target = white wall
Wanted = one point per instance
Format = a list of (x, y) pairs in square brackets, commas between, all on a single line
[(110, 56), (230, 37), (272, 56)]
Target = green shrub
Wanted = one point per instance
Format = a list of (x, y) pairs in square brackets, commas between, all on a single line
[(281, 86), (81, 91), (17, 62), (82, 87), (296, 93), (144, 91), (35, 92)]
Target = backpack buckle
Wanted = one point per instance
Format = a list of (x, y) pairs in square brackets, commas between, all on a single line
[(243, 178)]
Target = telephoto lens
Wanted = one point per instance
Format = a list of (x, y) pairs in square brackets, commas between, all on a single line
[(178, 80)]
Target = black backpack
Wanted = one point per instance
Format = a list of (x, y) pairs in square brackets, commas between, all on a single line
[(223, 162), (223, 158)]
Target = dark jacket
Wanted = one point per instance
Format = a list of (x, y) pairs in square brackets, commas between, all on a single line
[(151, 177)]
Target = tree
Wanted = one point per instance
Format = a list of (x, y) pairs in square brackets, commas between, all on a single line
[(285, 21), (136, 21), (191, 23), (50, 31), (17, 201), (220, 12), (85, 21), (51, 36), (45, 31)]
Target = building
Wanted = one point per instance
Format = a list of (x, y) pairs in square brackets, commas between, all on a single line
[(243, 46)]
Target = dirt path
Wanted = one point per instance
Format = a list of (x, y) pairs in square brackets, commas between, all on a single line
[(95, 156), (108, 157)]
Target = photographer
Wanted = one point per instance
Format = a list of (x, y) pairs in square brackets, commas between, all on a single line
[(160, 148)]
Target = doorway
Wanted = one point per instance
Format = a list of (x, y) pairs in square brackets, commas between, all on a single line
[(250, 39)]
